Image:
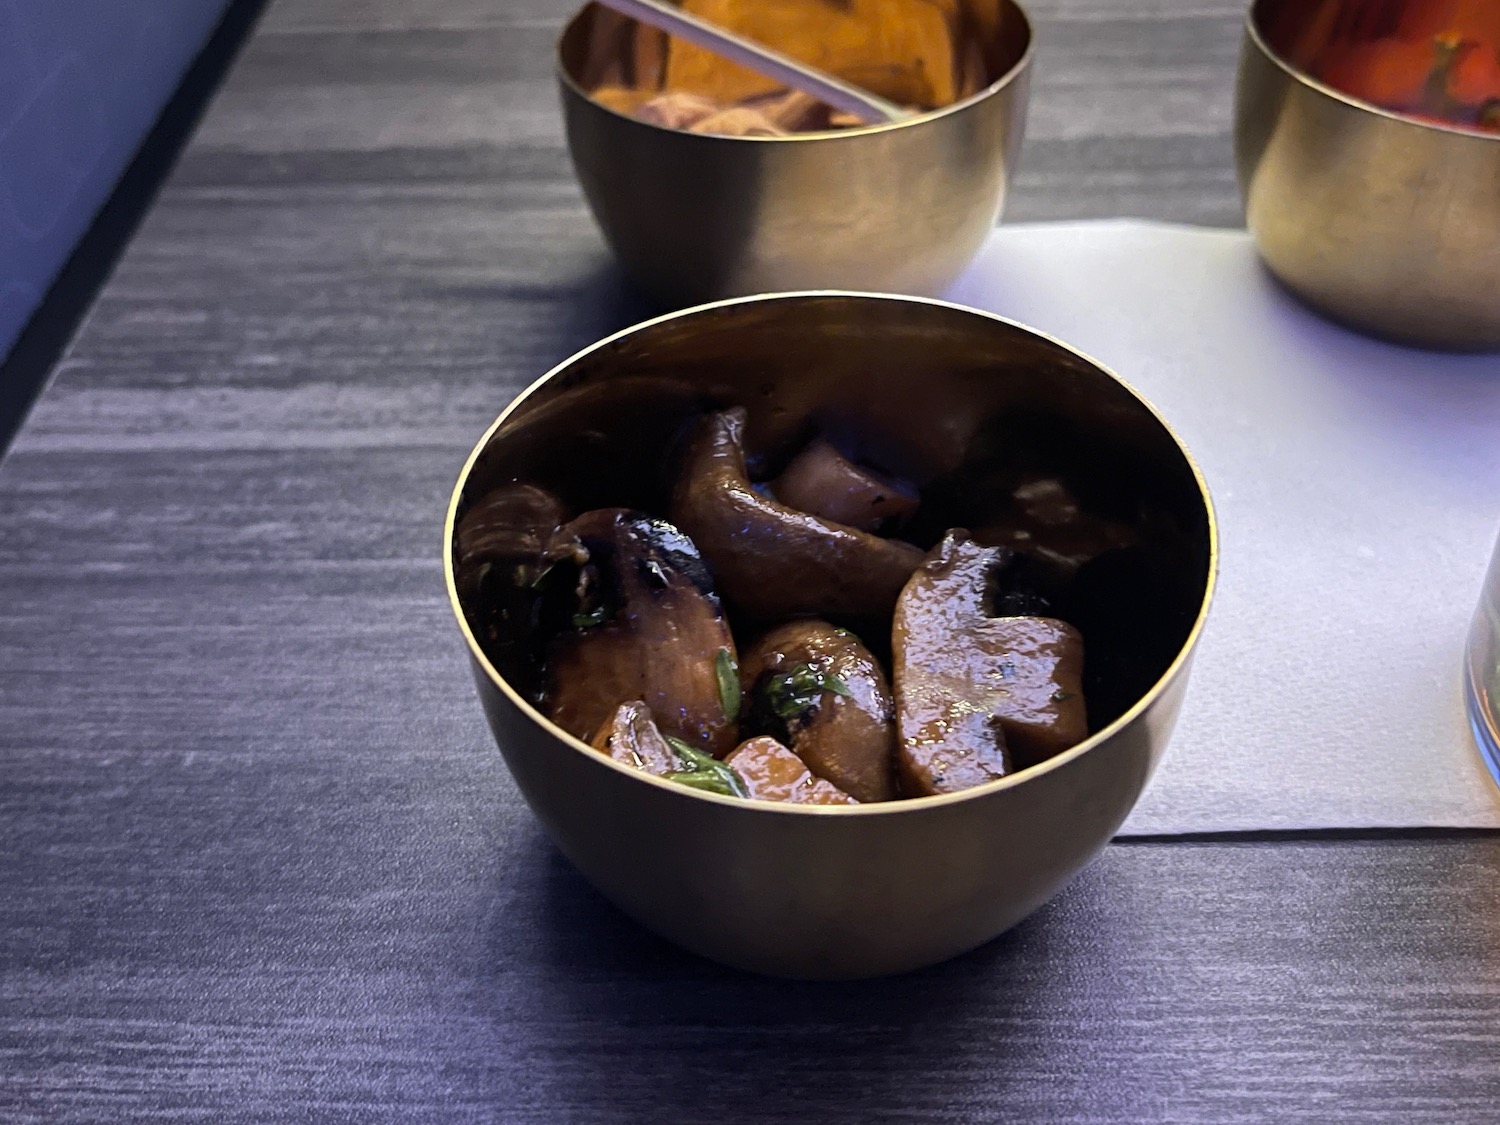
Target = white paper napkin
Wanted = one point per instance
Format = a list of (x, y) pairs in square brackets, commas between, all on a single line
[(1357, 486)]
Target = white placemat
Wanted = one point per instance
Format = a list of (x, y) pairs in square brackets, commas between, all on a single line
[(1358, 493)]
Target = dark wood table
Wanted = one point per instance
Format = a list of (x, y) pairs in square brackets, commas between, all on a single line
[(259, 860)]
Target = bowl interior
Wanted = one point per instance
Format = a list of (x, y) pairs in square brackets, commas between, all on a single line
[(1431, 64), (962, 403), (600, 47)]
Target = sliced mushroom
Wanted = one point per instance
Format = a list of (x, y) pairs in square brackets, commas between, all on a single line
[(772, 561), (825, 695), (978, 696), (630, 736), (512, 528), (823, 482), (645, 626), (503, 546), (1047, 522), (771, 772)]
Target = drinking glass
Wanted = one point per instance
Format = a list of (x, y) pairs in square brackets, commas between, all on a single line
[(1484, 669)]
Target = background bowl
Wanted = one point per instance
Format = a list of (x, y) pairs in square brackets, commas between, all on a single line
[(947, 395), (1388, 224), (900, 207)]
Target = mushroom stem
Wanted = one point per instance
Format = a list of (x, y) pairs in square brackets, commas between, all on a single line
[(771, 561)]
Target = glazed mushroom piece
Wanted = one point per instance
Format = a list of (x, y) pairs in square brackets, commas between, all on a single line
[(503, 544), (823, 482), (772, 561), (644, 625), (1047, 522), (630, 736), (819, 690), (977, 696), (771, 772), (512, 528)]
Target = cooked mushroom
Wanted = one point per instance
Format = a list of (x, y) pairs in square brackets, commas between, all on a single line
[(630, 736), (645, 626), (771, 772), (978, 696), (503, 545), (822, 692), (513, 528), (1046, 521), (772, 561), (823, 482)]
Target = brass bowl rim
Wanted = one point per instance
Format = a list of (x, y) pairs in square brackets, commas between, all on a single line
[(1296, 73), (1009, 78), (880, 808)]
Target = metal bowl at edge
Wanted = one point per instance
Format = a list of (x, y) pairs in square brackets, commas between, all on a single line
[(1385, 223), (829, 892), (900, 207)]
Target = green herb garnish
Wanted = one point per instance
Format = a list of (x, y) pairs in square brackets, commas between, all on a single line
[(728, 673), (704, 771), (709, 782), (793, 693), (691, 759), (593, 617)]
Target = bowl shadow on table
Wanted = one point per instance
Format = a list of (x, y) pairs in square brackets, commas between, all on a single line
[(1419, 402), (602, 298), (1312, 317), (596, 302), (693, 1039)]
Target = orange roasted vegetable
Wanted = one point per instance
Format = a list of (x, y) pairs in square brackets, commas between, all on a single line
[(900, 49), (1436, 60), (922, 54)]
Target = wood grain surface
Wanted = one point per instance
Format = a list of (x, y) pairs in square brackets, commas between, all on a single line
[(259, 861)]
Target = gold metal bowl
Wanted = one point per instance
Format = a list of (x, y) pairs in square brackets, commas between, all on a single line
[(900, 207), (1386, 223), (856, 891)]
